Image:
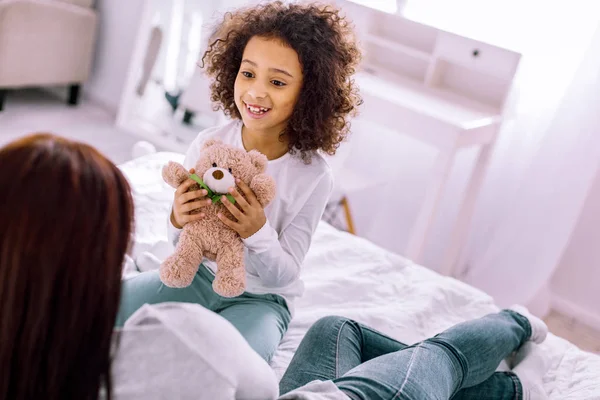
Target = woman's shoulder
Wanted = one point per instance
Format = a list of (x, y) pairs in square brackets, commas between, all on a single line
[(183, 319), (167, 339), (190, 327)]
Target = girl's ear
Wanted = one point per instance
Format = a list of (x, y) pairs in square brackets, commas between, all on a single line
[(259, 160)]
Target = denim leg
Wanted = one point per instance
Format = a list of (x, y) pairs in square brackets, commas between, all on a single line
[(261, 319), (147, 288), (422, 380), (376, 344), (499, 386), (423, 371), (331, 347), (463, 356), (480, 345)]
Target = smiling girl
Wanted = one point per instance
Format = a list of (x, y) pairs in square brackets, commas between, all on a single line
[(282, 73)]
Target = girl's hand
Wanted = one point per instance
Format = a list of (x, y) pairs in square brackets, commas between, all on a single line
[(184, 203), (249, 214)]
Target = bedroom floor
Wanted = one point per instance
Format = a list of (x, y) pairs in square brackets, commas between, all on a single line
[(35, 110), (581, 335), (28, 111)]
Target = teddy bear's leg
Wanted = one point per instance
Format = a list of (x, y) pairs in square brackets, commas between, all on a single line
[(230, 279), (179, 269)]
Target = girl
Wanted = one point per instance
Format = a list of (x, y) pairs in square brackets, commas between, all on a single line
[(282, 73), (60, 270)]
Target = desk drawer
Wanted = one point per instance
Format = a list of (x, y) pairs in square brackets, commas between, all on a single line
[(476, 55)]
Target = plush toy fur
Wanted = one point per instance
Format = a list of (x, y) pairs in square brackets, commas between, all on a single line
[(209, 237)]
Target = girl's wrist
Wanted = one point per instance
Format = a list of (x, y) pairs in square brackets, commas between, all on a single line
[(174, 221)]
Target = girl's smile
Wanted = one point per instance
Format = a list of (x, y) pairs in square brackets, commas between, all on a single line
[(255, 111)]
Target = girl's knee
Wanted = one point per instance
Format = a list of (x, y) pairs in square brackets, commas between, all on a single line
[(445, 352)]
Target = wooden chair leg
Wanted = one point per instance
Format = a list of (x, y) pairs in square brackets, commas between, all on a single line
[(349, 220), (74, 94), (2, 98)]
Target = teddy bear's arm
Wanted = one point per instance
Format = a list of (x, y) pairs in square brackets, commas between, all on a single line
[(174, 174), (263, 187)]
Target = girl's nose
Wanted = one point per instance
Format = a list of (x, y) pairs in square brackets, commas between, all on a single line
[(257, 91)]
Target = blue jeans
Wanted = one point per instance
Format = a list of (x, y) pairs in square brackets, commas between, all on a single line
[(261, 319), (459, 363)]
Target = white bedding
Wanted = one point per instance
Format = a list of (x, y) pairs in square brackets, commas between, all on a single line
[(349, 276)]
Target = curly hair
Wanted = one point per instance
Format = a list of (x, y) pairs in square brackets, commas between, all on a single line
[(328, 54)]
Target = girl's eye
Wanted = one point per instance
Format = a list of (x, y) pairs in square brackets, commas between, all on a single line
[(277, 83), (230, 171), (214, 165), (247, 74)]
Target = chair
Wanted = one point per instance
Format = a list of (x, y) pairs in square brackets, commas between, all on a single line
[(46, 43)]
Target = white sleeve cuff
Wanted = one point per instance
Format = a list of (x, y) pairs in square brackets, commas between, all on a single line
[(262, 240), (172, 232)]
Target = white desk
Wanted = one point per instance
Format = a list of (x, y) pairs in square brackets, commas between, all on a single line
[(442, 89), (448, 129)]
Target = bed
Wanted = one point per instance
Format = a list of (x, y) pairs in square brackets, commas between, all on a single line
[(350, 276)]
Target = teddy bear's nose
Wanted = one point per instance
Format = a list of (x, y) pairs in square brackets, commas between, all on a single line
[(218, 174)]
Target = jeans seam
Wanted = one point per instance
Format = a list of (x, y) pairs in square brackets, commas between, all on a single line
[(517, 385), (410, 364), (463, 365), (337, 348)]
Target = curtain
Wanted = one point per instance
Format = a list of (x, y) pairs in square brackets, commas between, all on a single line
[(548, 153), (540, 208)]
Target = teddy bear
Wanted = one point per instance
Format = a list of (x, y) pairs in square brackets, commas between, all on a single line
[(216, 170)]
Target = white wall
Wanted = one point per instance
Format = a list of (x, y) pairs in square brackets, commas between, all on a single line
[(119, 21), (576, 284)]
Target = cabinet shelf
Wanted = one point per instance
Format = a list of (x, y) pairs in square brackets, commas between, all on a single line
[(397, 47)]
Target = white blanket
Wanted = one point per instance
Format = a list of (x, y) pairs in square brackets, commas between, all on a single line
[(349, 276)]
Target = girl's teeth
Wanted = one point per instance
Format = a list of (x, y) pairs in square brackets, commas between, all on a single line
[(258, 110)]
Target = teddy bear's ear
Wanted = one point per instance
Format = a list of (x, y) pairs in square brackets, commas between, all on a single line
[(211, 142), (259, 160)]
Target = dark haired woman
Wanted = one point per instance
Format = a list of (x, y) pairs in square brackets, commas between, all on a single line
[(60, 280)]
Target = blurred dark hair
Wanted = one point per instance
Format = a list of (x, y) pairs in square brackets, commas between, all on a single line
[(66, 214)]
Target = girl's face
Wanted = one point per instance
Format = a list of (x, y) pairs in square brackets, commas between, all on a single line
[(268, 84)]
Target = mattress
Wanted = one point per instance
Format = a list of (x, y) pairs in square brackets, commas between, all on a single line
[(352, 277)]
